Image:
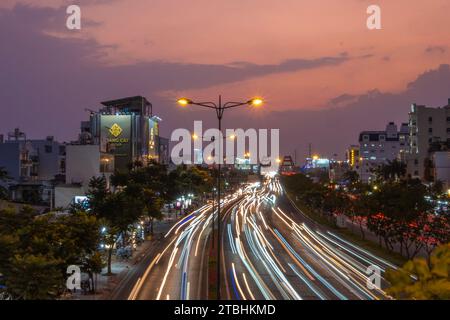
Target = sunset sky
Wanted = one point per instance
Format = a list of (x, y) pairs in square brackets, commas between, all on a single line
[(325, 76)]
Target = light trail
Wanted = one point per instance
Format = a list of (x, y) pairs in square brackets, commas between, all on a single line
[(274, 252)]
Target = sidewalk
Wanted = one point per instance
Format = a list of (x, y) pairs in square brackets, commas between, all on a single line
[(105, 285)]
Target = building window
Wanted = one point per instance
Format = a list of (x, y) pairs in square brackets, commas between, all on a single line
[(416, 162), (365, 137), (430, 130), (448, 130), (430, 140), (430, 119), (416, 173), (48, 149), (382, 137)]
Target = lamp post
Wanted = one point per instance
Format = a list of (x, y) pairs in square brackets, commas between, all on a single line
[(195, 137), (219, 109)]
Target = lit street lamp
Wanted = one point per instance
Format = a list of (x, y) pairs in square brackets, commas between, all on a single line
[(220, 108), (209, 158)]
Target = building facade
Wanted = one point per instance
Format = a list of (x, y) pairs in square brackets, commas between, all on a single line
[(127, 129), (121, 133), (430, 132), (378, 147), (33, 166)]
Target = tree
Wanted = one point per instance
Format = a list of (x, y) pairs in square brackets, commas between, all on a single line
[(391, 171), (35, 250), (116, 214), (399, 205), (153, 205), (361, 205), (194, 180), (93, 264), (3, 178), (431, 282), (103, 205), (351, 177), (34, 277)]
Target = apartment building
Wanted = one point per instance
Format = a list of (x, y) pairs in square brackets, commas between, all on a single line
[(378, 147), (429, 134)]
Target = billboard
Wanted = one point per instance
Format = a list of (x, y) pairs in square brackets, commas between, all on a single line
[(153, 139), (116, 138)]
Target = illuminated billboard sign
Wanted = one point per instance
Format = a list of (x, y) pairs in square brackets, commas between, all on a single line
[(116, 138), (153, 139)]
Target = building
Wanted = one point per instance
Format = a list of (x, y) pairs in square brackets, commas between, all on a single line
[(441, 167), (287, 166), (83, 162), (51, 158), (17, 157), (353, 157), (86, 161), (122, 132), (430, 133), (127, 129), (163, 150), (378, 147), (34, 166), (338, 171)]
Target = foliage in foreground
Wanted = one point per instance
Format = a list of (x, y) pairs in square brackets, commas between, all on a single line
[(421, 279), (35, 251)]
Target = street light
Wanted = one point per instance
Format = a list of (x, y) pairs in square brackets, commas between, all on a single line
[(195, 137), (184, 101), (220, 108)]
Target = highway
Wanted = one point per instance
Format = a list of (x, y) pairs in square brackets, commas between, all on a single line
[(270, 250)]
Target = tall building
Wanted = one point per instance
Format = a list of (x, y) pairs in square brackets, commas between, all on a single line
[(353, 157), (430, 133), (34, 166), (127, 129), (121, 132), (377, 147)]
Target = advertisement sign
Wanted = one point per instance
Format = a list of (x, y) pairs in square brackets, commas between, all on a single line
[(116, 137), (153, 139)]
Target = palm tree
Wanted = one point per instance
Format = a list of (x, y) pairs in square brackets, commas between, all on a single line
[(393, 170)]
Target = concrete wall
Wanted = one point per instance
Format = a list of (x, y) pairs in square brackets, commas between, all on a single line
[(82, 163), (65, 194), (441, 162)]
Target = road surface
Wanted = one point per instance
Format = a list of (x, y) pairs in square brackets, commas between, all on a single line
[(269, 250)]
